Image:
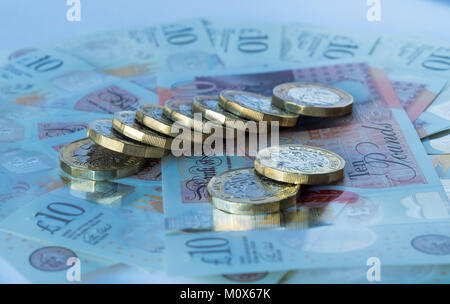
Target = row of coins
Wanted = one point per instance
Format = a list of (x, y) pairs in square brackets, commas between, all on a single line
[(274, 183), (118, 148)]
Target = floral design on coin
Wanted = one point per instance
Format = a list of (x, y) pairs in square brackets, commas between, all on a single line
[(243, 191), (209, 106), (299, 164), (180, 111), (155, 112), (255, 107), (312, 99), (91, 155), (314, 96), (83, 158), (152, 116)]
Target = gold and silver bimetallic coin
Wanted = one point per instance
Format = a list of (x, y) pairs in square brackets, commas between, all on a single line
[(152, 116), (210, 108), (299, 164), (243, 191), (255, 107), (85, 159), (124, 123), (312, 99), (181, 111), (102, 133)]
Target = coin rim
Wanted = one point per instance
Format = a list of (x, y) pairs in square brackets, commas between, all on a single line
[(154, 123), (161, 127), (153, 139), (184, 120), (308, 110), (301, 178), (222, 118), (252, 114), (136, 149)]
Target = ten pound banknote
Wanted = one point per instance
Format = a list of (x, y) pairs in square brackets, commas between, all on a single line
[(382, 207)]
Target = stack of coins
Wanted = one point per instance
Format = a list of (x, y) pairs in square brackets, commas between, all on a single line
[(274, 184), (115, 148), (118, 147)]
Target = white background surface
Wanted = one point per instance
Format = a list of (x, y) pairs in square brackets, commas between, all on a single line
[(31, 22), (28, 22)]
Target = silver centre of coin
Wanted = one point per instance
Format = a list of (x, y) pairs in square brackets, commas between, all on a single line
[(314, 96), (245, 186), (299, 160), (97, 156), (256, 103)]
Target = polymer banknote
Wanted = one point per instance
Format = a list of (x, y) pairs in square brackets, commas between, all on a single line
[(116, 220), (139, 53), (41, 262), (31, 76), (438, 143), (381, 149)]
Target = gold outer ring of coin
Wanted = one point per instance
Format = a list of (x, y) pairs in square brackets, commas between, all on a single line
[(301, 178), (119, 143), (267, 205), (71, 168), (181, 118), (310, 110), (228, 104), (140, 133), (153, 123), (224, 119), (161, 127), (190, 122)]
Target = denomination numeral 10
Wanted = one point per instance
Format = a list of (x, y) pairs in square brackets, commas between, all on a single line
[(179, 35), (61, 214), (252, 41), (214, 250), (438, 62), (340, 47), (43, 64)]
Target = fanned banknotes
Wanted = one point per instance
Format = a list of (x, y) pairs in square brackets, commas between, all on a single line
[(127, 227), (138, 53), (392, 204), (415, 53), (245, 44), (381, 151), (32, 76)]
